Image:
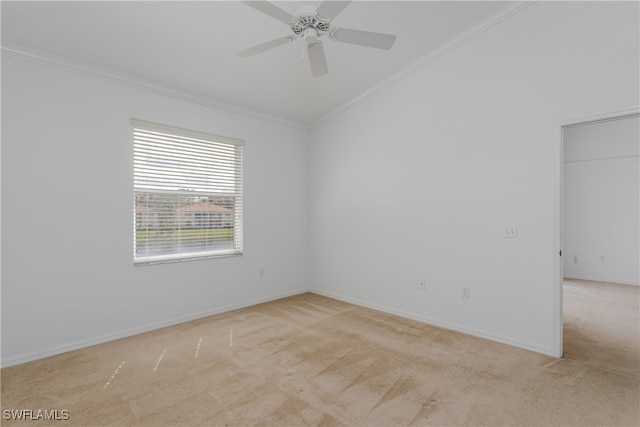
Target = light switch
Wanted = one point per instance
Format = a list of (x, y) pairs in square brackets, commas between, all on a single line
[(510, 232)]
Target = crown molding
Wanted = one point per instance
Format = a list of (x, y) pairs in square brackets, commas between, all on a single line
[(61, 63), (38, 57), (431, 57)]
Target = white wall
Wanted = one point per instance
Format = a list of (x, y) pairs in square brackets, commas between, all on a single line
[(418, 180), (68, 278), (601, 202)]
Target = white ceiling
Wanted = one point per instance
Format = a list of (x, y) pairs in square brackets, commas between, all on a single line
[(191, 46)]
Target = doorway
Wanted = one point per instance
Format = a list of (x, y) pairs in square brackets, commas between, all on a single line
[(598, 219)]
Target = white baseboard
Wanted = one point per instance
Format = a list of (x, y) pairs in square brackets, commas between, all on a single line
[(52, 351), (440, 324), (601, 279), (76, 345)]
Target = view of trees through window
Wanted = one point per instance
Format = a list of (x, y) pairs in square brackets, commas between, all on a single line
[(168, 224)]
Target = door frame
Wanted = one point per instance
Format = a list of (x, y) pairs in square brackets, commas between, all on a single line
[(558, 210)]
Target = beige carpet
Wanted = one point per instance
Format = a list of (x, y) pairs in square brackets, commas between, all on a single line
[(310, 360), (601, 325)]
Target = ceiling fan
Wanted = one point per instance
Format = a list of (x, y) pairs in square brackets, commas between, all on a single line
[(311, 25)]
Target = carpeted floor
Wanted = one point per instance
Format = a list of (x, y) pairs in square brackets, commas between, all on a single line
[(601, 325), (310, 360)]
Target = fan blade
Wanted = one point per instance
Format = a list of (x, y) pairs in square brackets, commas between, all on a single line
[(265, 46), (317, 60), (363, 38), (272, 10), (329, 9)]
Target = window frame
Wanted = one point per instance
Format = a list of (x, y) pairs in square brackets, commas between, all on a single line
[(236, 217)]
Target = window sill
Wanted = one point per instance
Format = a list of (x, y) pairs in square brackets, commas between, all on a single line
[(167, 259)]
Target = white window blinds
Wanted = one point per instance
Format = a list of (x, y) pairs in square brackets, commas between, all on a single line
[(187, 194)]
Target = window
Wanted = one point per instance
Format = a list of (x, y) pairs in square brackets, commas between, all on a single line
[(187, 194)]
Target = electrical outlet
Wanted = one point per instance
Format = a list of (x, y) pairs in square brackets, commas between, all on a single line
[(465, 293), (423, 285)]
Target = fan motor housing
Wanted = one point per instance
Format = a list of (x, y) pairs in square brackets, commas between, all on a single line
[(309, 21)]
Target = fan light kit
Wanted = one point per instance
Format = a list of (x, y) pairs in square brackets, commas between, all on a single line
[(311, 25)]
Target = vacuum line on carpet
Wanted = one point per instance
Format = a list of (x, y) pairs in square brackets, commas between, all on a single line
[(198, 348), (113, 376), (159, 360)]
